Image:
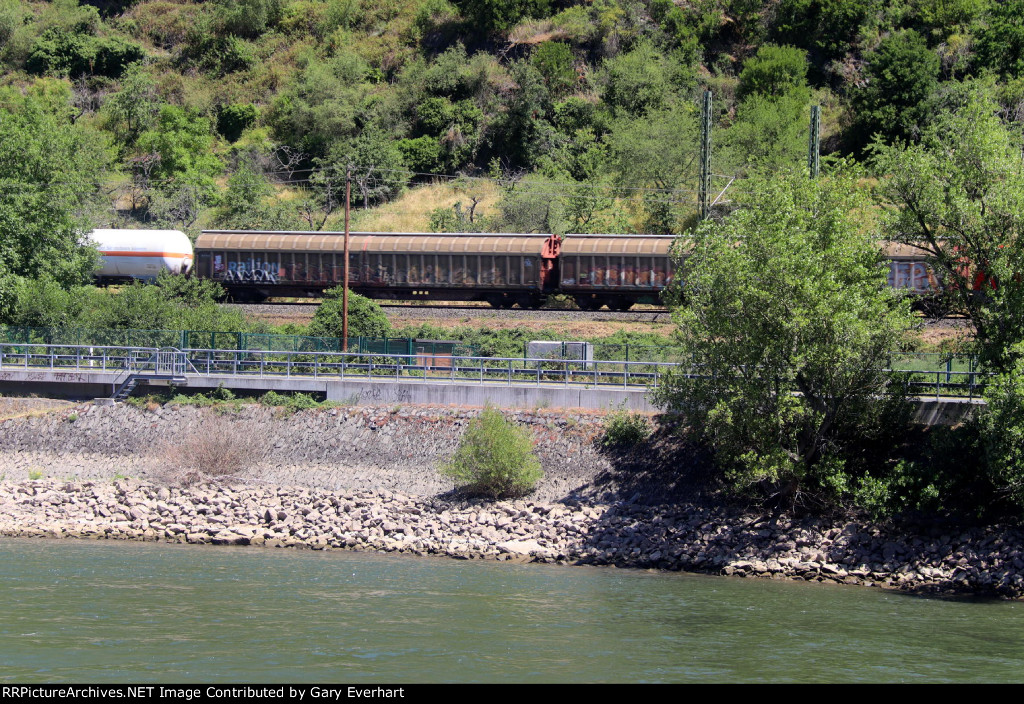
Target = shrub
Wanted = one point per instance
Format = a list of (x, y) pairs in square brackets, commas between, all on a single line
[(495, 458), (61, 52), (216, 448), (232, 120), (625, 429), (290, 402), (365, 318), (1003, 431), (555, 62)]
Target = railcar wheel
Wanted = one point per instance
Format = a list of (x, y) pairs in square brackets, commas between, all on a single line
[(621, 304), (589, 303)]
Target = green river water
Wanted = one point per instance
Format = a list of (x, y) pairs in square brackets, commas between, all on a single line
[(78, 611)]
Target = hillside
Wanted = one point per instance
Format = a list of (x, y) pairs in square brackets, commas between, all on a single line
[(559, 116)]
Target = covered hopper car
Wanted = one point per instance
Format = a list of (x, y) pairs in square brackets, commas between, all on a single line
[(503, 269)]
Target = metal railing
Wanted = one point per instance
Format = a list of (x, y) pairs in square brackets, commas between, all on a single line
[(211, 339), (427, 367), (339, 365), (410, 366)]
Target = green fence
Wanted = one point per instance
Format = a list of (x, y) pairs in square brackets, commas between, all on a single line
[(215, 340), (638, 353)]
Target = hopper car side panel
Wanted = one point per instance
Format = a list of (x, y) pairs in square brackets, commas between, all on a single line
[(596, 270), (442, 267)]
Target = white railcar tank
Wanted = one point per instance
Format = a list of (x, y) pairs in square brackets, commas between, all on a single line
[(142, 254)]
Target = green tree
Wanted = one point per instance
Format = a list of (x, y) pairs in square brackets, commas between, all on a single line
[(502, 15), (958, 196), (829, 27), (376, 164), (494, 458), (51, 177), (1002, 426), (185, 167), (134, 108), (901, 75), (555, 62), (637, 83), (773, 71), (184, 142), (769, 132), (232, 120), (323, 105), (248, 204), (658, 154), (365, 318), (790, 323), (45, 303), (1000, 40), (10, 19), (248, 18)]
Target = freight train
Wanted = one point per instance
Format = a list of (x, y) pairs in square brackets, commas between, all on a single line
[(504, 270), (616, 271)]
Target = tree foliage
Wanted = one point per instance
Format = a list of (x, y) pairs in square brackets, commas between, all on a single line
[(501, 15), (789, 321), (554, 60), (365, 317), (51, 173), (1003, 429), (958, 195), (902, 73), (826, 26), (657, 155), (1000, 43), (248, 204), (773, 71)]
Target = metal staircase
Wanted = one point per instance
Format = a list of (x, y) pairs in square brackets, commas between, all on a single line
[(167, 365)]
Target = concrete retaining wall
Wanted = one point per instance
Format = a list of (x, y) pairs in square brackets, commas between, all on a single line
[(84, 384)]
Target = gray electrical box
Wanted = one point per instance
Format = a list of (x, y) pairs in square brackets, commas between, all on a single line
[(548, 349)]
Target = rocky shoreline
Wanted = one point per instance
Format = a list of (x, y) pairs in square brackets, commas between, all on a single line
[(689, 538), (600, 510)]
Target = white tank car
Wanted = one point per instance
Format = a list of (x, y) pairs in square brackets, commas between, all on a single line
[(142, 254)]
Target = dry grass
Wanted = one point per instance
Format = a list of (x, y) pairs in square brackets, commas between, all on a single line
[(944, 336), (218, 449), (572, 329), (26, 407), (411, 212), (536, 32)]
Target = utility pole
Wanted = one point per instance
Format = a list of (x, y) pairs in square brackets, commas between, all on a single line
[(344, 295), (814, 142), (704, 187)]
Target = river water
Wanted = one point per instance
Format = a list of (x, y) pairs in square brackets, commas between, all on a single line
[(78, 611)]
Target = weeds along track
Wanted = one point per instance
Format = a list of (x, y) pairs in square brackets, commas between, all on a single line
[(462, 311)]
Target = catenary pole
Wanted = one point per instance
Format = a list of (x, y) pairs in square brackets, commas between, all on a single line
[(704, 188), (814, 142), (344, 295)]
